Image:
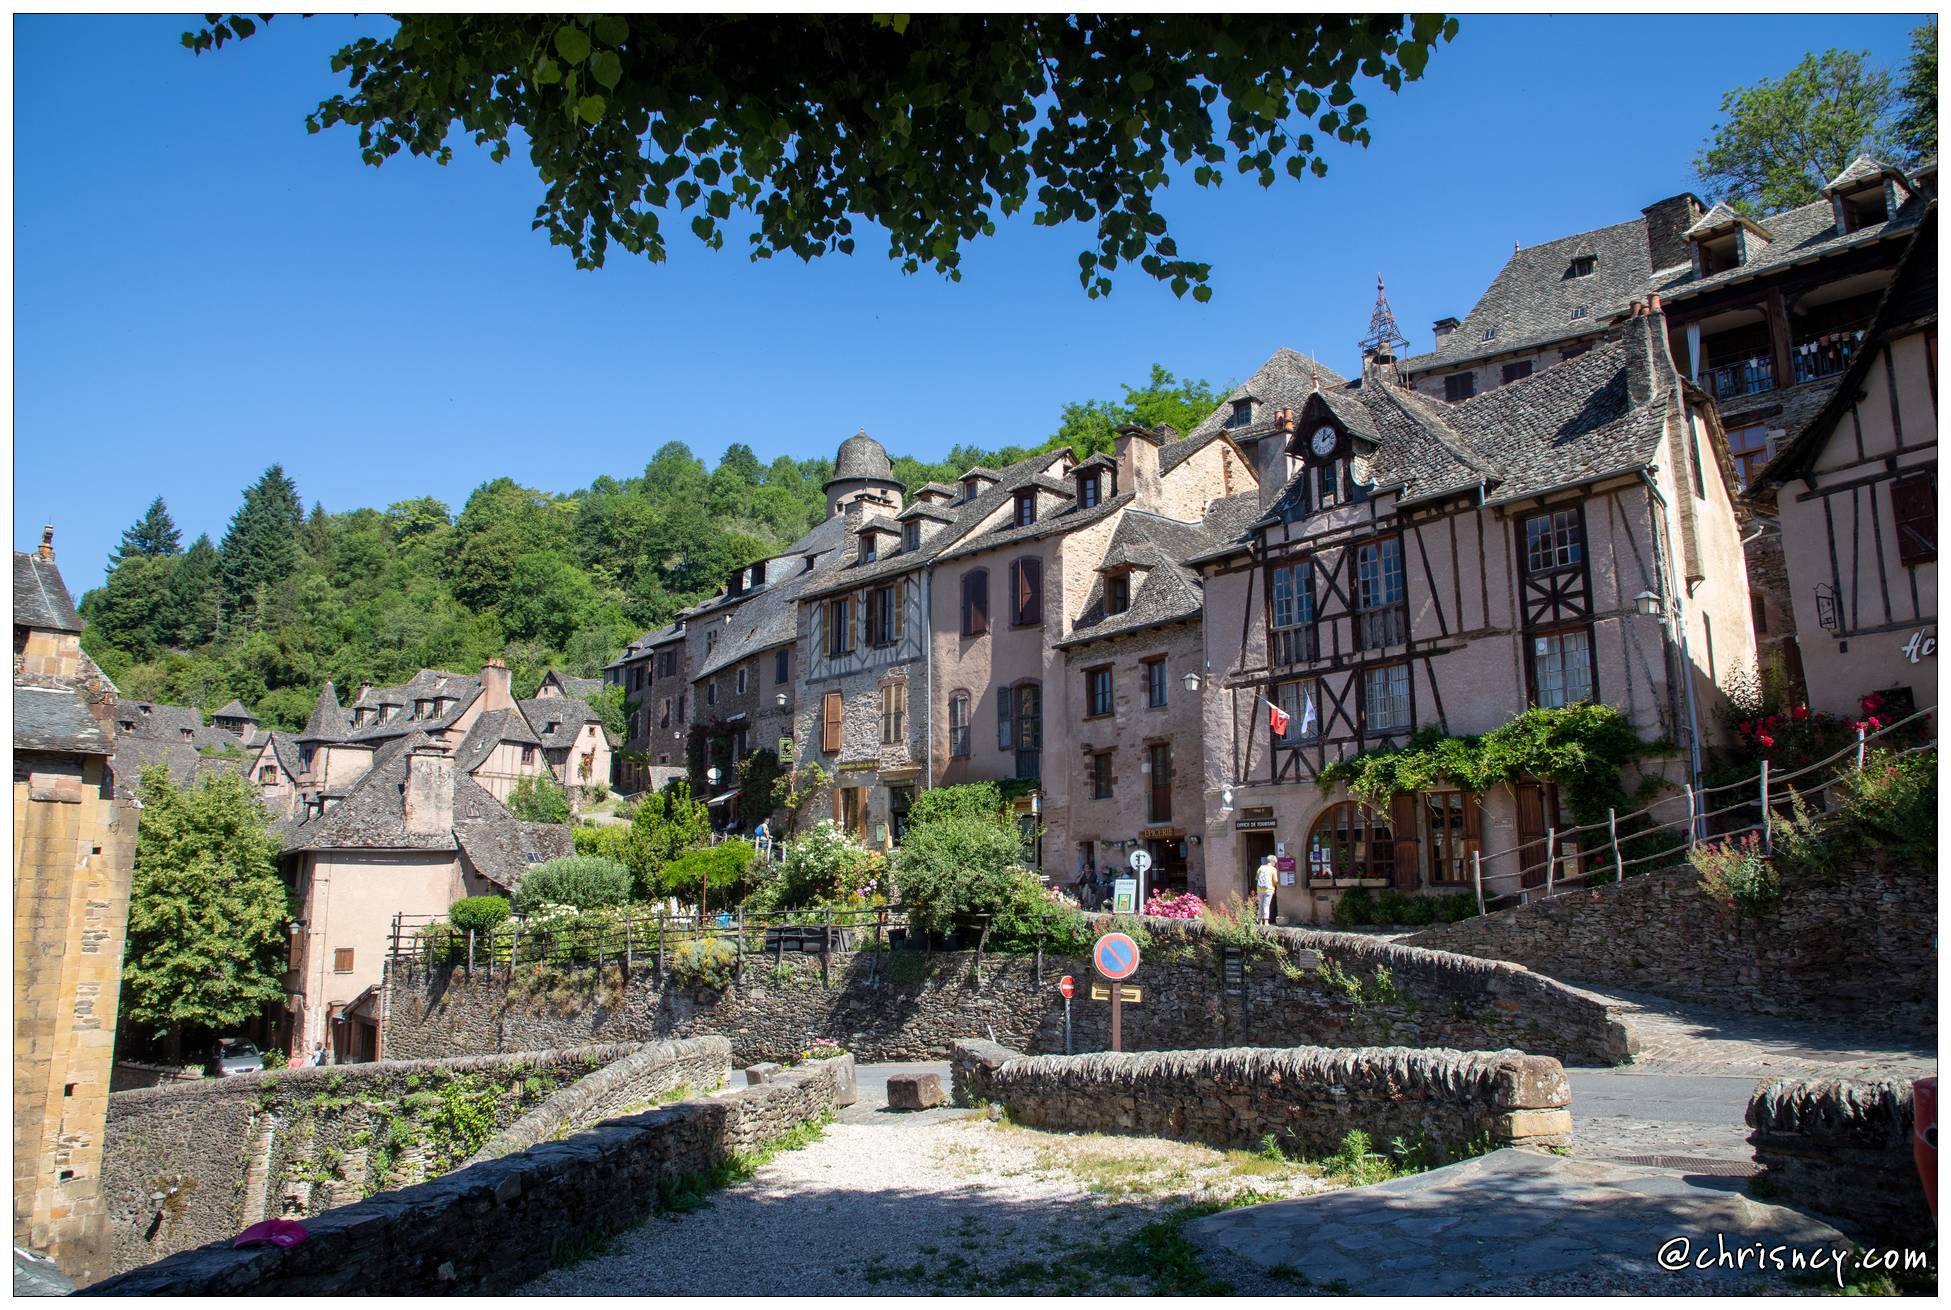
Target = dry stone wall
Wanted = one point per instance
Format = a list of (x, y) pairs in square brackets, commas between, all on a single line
[(1306, 1098), (495, 1225), (902, 1005), (1842, 1148), (1858, 946), (189, 1163)]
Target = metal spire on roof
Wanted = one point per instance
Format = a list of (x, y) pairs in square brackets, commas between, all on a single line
[(1383, 333)]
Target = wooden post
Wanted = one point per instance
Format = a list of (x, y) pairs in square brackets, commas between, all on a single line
[(629, 943), (826, 942), (1551, 860), (1767, 827), (660, 947), (1477, 877), (1612, 835), (738, 960), (1692, 823), (1039, 951), (515, 950), (470, 950)]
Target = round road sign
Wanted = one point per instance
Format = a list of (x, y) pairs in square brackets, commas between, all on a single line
[(1116, 956), (1067, 985), (1140, 860)]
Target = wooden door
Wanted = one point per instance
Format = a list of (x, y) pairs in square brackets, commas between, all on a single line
[(1531, 810), (1408, 850)]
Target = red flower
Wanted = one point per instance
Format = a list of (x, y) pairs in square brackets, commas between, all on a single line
[(1766, 740), (1801, 711), (1872, 702), (1771, 720), (1874, 722), (1747, 727)]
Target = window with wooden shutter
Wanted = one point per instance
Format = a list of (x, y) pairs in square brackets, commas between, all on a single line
[(1913, 498), (894, 713), (1026, 606), (899, 601), (342, 960), (975, 602), (1005, 717), (830, 708), (1402, 820)]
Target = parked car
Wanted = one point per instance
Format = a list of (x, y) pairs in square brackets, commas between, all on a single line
[(235, 1056)]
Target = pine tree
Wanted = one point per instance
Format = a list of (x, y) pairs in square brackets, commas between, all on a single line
[(261, 548), (189, 615), (153, 534)]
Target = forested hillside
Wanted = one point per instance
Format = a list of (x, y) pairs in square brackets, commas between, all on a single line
[(288, 598)]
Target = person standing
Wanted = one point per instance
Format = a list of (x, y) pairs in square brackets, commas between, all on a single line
[(1264, 882)]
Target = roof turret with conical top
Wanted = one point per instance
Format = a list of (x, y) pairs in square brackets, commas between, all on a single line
[(328, 721), (862, 471)]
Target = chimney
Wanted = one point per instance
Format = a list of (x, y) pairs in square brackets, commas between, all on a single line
[(1665, 221), (429, 789), (494, 686), (1136, 450), (1445, 326), (47, 542)]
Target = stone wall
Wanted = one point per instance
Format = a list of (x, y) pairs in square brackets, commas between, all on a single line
[(1843, 1149), (655, 1071), (189, 1163), (1857, 947), (906, 1004), (495, 1225), (1306, 1097)]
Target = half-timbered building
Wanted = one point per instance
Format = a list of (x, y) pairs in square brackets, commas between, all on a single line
[(1424, 565), (1856, 497)]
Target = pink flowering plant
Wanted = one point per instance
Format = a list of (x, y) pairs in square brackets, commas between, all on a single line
[(1183, 906)]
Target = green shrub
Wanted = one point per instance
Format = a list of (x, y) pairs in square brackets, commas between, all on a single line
[(974, 800), (1033, 914), (582, 881), (722, 870), (1356, 906), (706, 962), (826, 867), (478, 913), (957, 865), (1234, 921), (599, 791), (1736, 873), (539, 800)]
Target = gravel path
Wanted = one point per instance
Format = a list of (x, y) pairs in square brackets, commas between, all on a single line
[(939, 1202)]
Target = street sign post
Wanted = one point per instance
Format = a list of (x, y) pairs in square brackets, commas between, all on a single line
[(1141, 864), (1068, 986), (1116, 957)]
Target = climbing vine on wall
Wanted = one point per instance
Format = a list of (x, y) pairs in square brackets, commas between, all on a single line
[(1583, 748)]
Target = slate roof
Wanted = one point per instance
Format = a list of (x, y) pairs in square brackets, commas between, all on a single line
[(285, 747), (770, 617), (573, 686), (1169, 591), (1860, 170), (183, 760), (328, 722), (1721, 216), (501, 847), (569, 716), (1284, 381), (488, 731), (41, 598), (55, 719), (1530, 302), (1795, 235), (861, 458), (460, 689), (1909, 302), (235, 710)]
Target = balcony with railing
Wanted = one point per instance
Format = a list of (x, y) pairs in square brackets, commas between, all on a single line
[(1825, 355), (1742, 377), (1295, 645), (1377, 629)]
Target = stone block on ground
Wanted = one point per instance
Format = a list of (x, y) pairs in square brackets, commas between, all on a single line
[(915, 1091), (845, 1089), (764, 1071)]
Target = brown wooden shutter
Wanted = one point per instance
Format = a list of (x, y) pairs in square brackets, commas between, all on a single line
[(1531, 832), (1028, 592), (1404, 812), (1473, 828), (1913, 499), (830, 706), (975, 603)]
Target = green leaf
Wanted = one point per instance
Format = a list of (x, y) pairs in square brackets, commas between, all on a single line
[(606, 68), (572, 43), (590, 108), (547, 72), (612, 29)]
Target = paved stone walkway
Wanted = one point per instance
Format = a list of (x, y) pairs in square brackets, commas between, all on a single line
[(1512, 1221)]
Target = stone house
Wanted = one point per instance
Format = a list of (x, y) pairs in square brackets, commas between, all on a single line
[(1764, 315), (1856, 496), (572, 740), (1410, 554), (408, 837), (74, 852), (656, 679), (557, 683)]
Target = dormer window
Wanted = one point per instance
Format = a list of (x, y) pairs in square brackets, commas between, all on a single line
[(1585, 265), (1025, 508), (911, 536), (1720, 255), (1117, 593), (867, 551), (1242, 415), (971, 488), (1089, 491), (1490, 334), (1578, 311), (1866, 208), (423, 709)]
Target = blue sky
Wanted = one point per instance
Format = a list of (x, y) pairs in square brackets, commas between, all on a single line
[(202, 289)]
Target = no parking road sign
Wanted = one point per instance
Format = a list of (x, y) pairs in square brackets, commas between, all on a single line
[(1116, 956)]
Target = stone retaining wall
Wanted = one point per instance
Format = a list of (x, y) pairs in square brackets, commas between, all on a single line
[(1857, 947), (1842, 1148), (652, 1072), (493, 1226), (1307, 1098), (189, 1163), (906, 1005)]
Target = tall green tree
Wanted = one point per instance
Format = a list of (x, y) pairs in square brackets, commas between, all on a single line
[(260, 551), (1780, 141), (1916, 127), (131, 609), (153, 534), (207, 909), (932, 127), (192, 604)]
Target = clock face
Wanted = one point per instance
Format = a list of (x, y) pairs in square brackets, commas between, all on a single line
[(1324, 439)]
